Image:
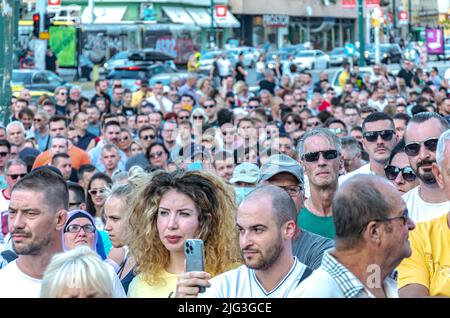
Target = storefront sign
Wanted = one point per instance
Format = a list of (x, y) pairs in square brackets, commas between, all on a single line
[(349, 4), (276, 20), (435, 41), (403, 18), (372, 3)]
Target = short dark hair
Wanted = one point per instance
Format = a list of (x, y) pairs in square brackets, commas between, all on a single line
[(111, 123), (399, 148), (57, 118), (53, 186), (425, 116), (402, 116), (80, 195), (377, 116), (59, 155), (85, 169), (5, 143)]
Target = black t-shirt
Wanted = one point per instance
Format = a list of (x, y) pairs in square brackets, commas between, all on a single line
[(406, 75), (215, 69), (50, 63), (239, 75), (270, 86)]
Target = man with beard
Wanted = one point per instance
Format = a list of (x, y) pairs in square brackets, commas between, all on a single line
[(320, 153), (266, 224), (372, 227), (36, 217), (379, 140), (425, 273), (427, 201)]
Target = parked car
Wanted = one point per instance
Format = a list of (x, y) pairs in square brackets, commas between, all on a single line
[(207, 59), (251, 55), (293, 49), (271, 56), (389, 53), (85, 67), (335, 80), (337, 56), (118, 59), (311, 59), (38, 80)]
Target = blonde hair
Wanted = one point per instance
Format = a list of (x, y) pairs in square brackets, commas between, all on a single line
[(81, 268), (215, 202)]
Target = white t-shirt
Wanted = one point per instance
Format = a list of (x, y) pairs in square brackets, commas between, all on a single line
[(168, 105), (224, 67), (362, 170), (15, 284), (419, 210), (243, 283)]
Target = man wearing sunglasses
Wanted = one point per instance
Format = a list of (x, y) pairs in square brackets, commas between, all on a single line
[(5, 150), (210, 108), (427, 201), (320, 155), (378, 139), (426, 273)]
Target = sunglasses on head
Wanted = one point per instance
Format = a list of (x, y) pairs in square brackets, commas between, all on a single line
[(372, 136), (314, 156), (15, 176), (393, 171), (412, 149)]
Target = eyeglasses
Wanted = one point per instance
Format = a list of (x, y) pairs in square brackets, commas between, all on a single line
[(38, 120), (315, 124), (292, 190), (156, 155), (314, 156), (183, 118), (412, 149), (288, 122), (98, 191), (252, 107), (15, 176), (3, 154), (393, 171), (404, 217), (337, 131), (197, 117), (148, 137), (209, 106), (76, 228), (63, 93), (372, 136), (124, 138)]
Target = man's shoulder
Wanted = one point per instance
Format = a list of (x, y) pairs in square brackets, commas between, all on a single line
[(319, 284), (74, 150), (362, 170)]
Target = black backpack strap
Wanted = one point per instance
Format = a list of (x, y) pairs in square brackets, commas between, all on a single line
[(8, 255), (308, 271)]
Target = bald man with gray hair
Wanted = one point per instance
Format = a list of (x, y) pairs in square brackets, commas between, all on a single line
[(266, 221)]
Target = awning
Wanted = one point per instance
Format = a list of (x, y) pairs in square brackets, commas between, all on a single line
[(229, 21), (202, 17), (104, 15), (178, 15)]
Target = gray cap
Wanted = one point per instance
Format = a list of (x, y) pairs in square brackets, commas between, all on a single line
[(279, 163), (245, 172)]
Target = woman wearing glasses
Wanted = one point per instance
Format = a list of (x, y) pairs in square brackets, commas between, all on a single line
[(158, 156), (125, 141), (169, 208), (99, 188), (399, 171)]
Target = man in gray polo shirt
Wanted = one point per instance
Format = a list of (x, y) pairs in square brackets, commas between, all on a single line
[(285, 172)]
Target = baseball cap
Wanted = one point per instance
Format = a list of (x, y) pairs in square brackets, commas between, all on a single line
[(245, 172), (279, 163)]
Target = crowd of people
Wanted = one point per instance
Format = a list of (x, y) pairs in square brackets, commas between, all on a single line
[(296, 190)]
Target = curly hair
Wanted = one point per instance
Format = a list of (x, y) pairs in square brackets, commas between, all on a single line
[(211, 196)]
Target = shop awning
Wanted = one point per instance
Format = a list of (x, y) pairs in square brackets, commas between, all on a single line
[(104, 15), (178, 15), (202, 17)]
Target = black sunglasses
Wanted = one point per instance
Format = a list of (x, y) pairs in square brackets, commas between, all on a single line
[(372, 136), (148, 137), (412, 149), (3, 154), (209, 106), (393, 171), (15, 176), (314, 156)]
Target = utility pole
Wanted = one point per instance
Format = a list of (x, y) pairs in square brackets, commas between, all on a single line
[(6, 55), (211, 32), (394, 17), (40, 46), (409, 17), (361, 32)]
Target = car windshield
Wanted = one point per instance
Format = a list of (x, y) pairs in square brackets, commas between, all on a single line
[(21, 77), (305, 54), (337, 50)]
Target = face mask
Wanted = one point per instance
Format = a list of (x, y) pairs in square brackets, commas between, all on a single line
[(242, 192)]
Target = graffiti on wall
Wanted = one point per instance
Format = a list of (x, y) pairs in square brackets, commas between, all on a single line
[(179, 48)]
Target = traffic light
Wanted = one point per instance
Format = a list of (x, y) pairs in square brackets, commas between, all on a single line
[(48, 20), (36, 24)]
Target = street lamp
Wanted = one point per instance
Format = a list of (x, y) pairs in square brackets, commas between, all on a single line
[(211, 33)]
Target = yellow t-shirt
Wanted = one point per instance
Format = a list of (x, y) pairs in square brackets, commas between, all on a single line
[(138, 96), (429, 264), (141, 289), (343, 77)]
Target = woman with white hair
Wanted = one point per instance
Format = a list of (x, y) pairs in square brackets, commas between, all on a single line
[(80, 273)]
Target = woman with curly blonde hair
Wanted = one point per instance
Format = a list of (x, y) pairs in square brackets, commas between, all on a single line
[(170, 207)]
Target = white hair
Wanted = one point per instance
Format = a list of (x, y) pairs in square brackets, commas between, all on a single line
[(443, 139), (79, 268), (15, 123)]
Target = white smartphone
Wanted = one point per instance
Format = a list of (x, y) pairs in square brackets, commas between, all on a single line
[(195, 257)]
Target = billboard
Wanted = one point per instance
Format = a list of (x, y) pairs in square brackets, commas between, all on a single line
[(434, 39), (63, 42)]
